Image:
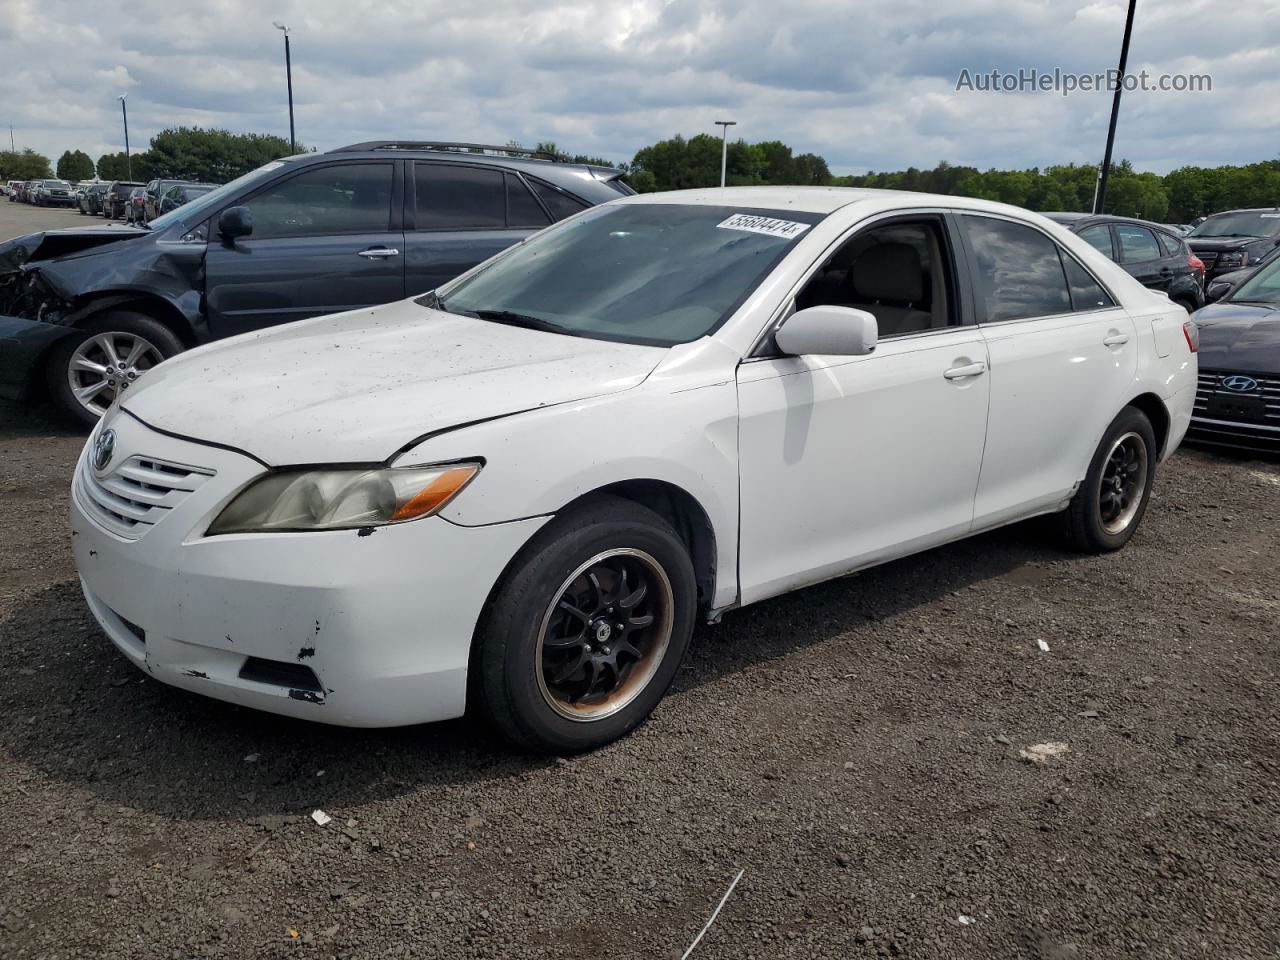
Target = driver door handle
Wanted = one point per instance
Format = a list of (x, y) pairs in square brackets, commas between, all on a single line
[(966, 371), (377, 253), (1116, 340)]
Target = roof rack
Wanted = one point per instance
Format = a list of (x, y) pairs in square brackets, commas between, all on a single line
[(483, 148)]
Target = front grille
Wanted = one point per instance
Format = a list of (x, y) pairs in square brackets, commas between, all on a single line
[(138, 493), (1210, 384), (1208, 259)]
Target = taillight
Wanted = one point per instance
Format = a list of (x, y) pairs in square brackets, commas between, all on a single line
[(1192, 333), (1195, 263)]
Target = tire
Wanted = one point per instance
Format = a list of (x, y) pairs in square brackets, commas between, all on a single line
[(516, 681), (1102, 517), (127, 328)]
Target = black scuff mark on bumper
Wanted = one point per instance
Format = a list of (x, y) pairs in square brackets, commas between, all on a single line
[(365, 532), (195, 674), (306, 652), (307, 696)]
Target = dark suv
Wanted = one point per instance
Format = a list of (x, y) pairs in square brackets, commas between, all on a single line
[(115, 202), (1152, 254), (156, 191), (1235, 239), (93, 309)]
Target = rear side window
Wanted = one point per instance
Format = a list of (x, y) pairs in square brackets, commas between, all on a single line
[(558, 202), (1018, 272), (451, 196), (1168, 244), (1136, 244), (522, 208), (343, 198), (1086, 292), (1099, 237)]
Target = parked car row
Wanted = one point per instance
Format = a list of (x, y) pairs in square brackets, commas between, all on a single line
[(115, 200), (42, 193)]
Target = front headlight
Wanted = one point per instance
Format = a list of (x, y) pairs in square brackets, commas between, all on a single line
[(342, 499)]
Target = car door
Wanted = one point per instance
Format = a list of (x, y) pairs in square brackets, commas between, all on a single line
[(846, 461), (460, 214), (324, 240), (1063, 359), (1142, 257)]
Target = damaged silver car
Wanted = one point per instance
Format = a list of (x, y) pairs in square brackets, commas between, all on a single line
[(89, 311)]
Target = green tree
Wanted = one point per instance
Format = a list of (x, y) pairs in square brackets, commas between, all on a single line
[(24, 165), (75, 165), (116, 166), (192, 153)]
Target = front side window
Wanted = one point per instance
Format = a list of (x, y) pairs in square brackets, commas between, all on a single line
[(1018, 272), (1136, 244), (651, 273), (899, 272), (451, 196), (343, 198)]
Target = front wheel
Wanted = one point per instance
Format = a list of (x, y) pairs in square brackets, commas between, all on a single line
[(587, 629), (1110, 503), (102, 360)]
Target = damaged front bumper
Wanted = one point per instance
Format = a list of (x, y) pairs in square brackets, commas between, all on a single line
[(366, 631), (23, 343)]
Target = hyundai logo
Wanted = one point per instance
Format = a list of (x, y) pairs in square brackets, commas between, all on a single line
[(1240, 384), (103, 448)]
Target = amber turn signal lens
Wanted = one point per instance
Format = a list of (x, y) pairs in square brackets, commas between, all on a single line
[(436, 493)]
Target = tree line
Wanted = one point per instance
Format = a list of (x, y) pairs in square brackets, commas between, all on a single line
[(216, 156)]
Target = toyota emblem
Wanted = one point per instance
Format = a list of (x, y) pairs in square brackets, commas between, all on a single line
[(1239, 383), (103, 448)]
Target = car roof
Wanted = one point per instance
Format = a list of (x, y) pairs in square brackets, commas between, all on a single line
[(1091, 218), (823, 200)]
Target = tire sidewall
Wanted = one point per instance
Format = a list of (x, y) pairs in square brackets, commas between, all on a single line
[(1130, 420), (511, 642)]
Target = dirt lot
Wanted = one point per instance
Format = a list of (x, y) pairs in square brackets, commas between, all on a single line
[(854, 748)]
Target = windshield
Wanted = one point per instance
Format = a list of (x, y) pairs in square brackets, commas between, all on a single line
[(1262, 287), (1239, 225), (650, 273), (191, 212)]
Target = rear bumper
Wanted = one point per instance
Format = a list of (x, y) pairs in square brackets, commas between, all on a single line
[(22, 344)]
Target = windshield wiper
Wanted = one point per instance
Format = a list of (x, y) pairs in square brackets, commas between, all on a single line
[(513, 319)]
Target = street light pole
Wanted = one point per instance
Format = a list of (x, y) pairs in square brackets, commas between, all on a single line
[(1100, 197), (288, 72), (724, 126), (128, 157)]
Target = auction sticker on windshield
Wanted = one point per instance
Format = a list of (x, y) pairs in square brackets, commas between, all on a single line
[(766, 225)]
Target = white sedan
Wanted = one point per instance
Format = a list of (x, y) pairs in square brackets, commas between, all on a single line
[(519, 492)]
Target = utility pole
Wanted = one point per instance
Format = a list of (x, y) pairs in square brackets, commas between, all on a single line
[(1100, 198), (288, 73), (724, 126), (128, 157), (12, 148)]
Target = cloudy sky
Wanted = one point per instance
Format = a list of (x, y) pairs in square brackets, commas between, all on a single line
[(867, 85)]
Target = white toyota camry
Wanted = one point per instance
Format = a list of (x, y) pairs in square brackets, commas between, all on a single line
[(518, 492)]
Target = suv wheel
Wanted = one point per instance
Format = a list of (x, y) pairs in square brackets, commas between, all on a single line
[(588, 628), (88, 370)]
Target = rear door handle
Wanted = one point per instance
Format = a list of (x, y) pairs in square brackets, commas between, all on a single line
[(966, 371), (1116, 340), (377, 253)]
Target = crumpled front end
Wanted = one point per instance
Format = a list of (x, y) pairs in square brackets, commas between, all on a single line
[(32, 319)]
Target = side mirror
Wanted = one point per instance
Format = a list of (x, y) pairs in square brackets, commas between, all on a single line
[(1216, 291), (235, 222), (828, 331)]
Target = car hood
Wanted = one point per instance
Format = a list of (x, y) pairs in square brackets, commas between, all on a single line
[(359, 387), (52, 244), (1239, 337), (1222, 244)]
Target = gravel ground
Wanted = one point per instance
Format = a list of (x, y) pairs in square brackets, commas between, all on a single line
[(854, 748)]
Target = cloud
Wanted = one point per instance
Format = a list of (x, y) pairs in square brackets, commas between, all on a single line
[(868, 86)]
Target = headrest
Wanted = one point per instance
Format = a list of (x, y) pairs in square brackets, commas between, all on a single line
[(889, 271)]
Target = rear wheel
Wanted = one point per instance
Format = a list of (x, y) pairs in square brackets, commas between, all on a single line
[(88, 370), (586, 632), (1106, 510)]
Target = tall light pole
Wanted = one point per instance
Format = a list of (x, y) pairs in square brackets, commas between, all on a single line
[(1100, 197), (128, 157), (724, 126), (288, 73)]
